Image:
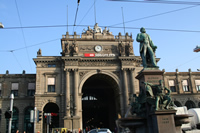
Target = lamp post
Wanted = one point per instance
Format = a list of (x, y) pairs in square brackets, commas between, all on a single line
[(71, 110), (1, 25), (197, 49), (11, 110)]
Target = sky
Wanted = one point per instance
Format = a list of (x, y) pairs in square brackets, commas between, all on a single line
[(173, 28)]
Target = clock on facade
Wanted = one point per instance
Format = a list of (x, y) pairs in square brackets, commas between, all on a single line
[(98, 48)]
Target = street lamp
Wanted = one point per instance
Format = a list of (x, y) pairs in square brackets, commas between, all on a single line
[(197, 49), (1, 25), (71, 109)]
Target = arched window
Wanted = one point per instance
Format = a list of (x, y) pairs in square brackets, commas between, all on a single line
[(177, 103), (190, 104), (15, 121), (28, 126)]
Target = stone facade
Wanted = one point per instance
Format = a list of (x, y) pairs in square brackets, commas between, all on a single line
[(61, 81)]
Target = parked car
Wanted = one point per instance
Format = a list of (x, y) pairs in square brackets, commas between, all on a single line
[(101, 130)]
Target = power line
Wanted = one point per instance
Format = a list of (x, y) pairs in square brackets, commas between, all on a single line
[(114, 27), (85, 15), (17, 60), (160, 2), (186, 62), (29, 46), (156, 15), (22, 32)]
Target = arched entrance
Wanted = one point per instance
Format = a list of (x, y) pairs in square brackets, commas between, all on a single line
[(54, 110), (190, 104), (100, 102)]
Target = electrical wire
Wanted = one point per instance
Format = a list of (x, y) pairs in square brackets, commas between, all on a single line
[(22, 32), (85, 15), (29, 46), (16, 59), (185, 63), (114, 27), (156, 15), (160, 2)]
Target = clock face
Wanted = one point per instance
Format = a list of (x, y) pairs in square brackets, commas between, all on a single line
[(98, 48)]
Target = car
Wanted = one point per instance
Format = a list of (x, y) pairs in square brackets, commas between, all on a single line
[(101, 130)]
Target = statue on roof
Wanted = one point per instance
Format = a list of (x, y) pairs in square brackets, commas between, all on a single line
[(107, 31), (97, 29), (39, 52)]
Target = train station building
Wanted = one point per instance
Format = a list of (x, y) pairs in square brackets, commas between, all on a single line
[(88, 85)]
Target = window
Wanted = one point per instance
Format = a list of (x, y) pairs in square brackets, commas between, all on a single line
[(92, 98), (185, 85), (0, 89), (28, 126), (14, 90), (197, 83), (51, 65), (51, 84), (172, 85), (15, 121), (31, 89)]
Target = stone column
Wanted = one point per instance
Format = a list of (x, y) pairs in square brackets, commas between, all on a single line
[(132, 81), (179, 83), (191, 84), (67, 93), (76, 92), (126, 97)]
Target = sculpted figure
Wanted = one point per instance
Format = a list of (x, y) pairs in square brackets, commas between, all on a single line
[(97, 29), (121, 48), (129, 49), (39, 52), (67, 47), (147, 48), (75, 47), (161, 95)]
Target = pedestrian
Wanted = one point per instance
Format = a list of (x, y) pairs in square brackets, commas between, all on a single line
[(17, 131)]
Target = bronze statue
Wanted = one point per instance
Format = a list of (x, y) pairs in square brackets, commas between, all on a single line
[(147, 49), (160, 96)]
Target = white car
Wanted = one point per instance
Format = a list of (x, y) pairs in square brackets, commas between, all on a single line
[(101, 130)]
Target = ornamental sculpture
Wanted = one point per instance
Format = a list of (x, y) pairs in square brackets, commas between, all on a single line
[(147, 49), (157, 97)]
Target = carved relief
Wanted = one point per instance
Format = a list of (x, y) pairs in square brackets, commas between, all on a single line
[(98, 63), (81, 74), (71, 63), (86, 48)]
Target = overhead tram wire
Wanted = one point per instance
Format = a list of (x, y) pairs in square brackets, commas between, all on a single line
[(23, 33), (156, 15), (160, 2), (85, 15), (16, 59), (76, 14), (13, 50), (54, 26)]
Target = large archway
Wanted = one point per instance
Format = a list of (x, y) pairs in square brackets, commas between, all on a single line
[(100, 102)]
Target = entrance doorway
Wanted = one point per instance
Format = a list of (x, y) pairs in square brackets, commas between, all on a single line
[(54, 110), (100, 102)]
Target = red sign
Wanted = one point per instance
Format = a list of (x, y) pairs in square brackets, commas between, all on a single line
[(89, 55)]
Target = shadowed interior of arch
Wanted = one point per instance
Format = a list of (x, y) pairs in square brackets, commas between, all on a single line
[(100, 102)]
